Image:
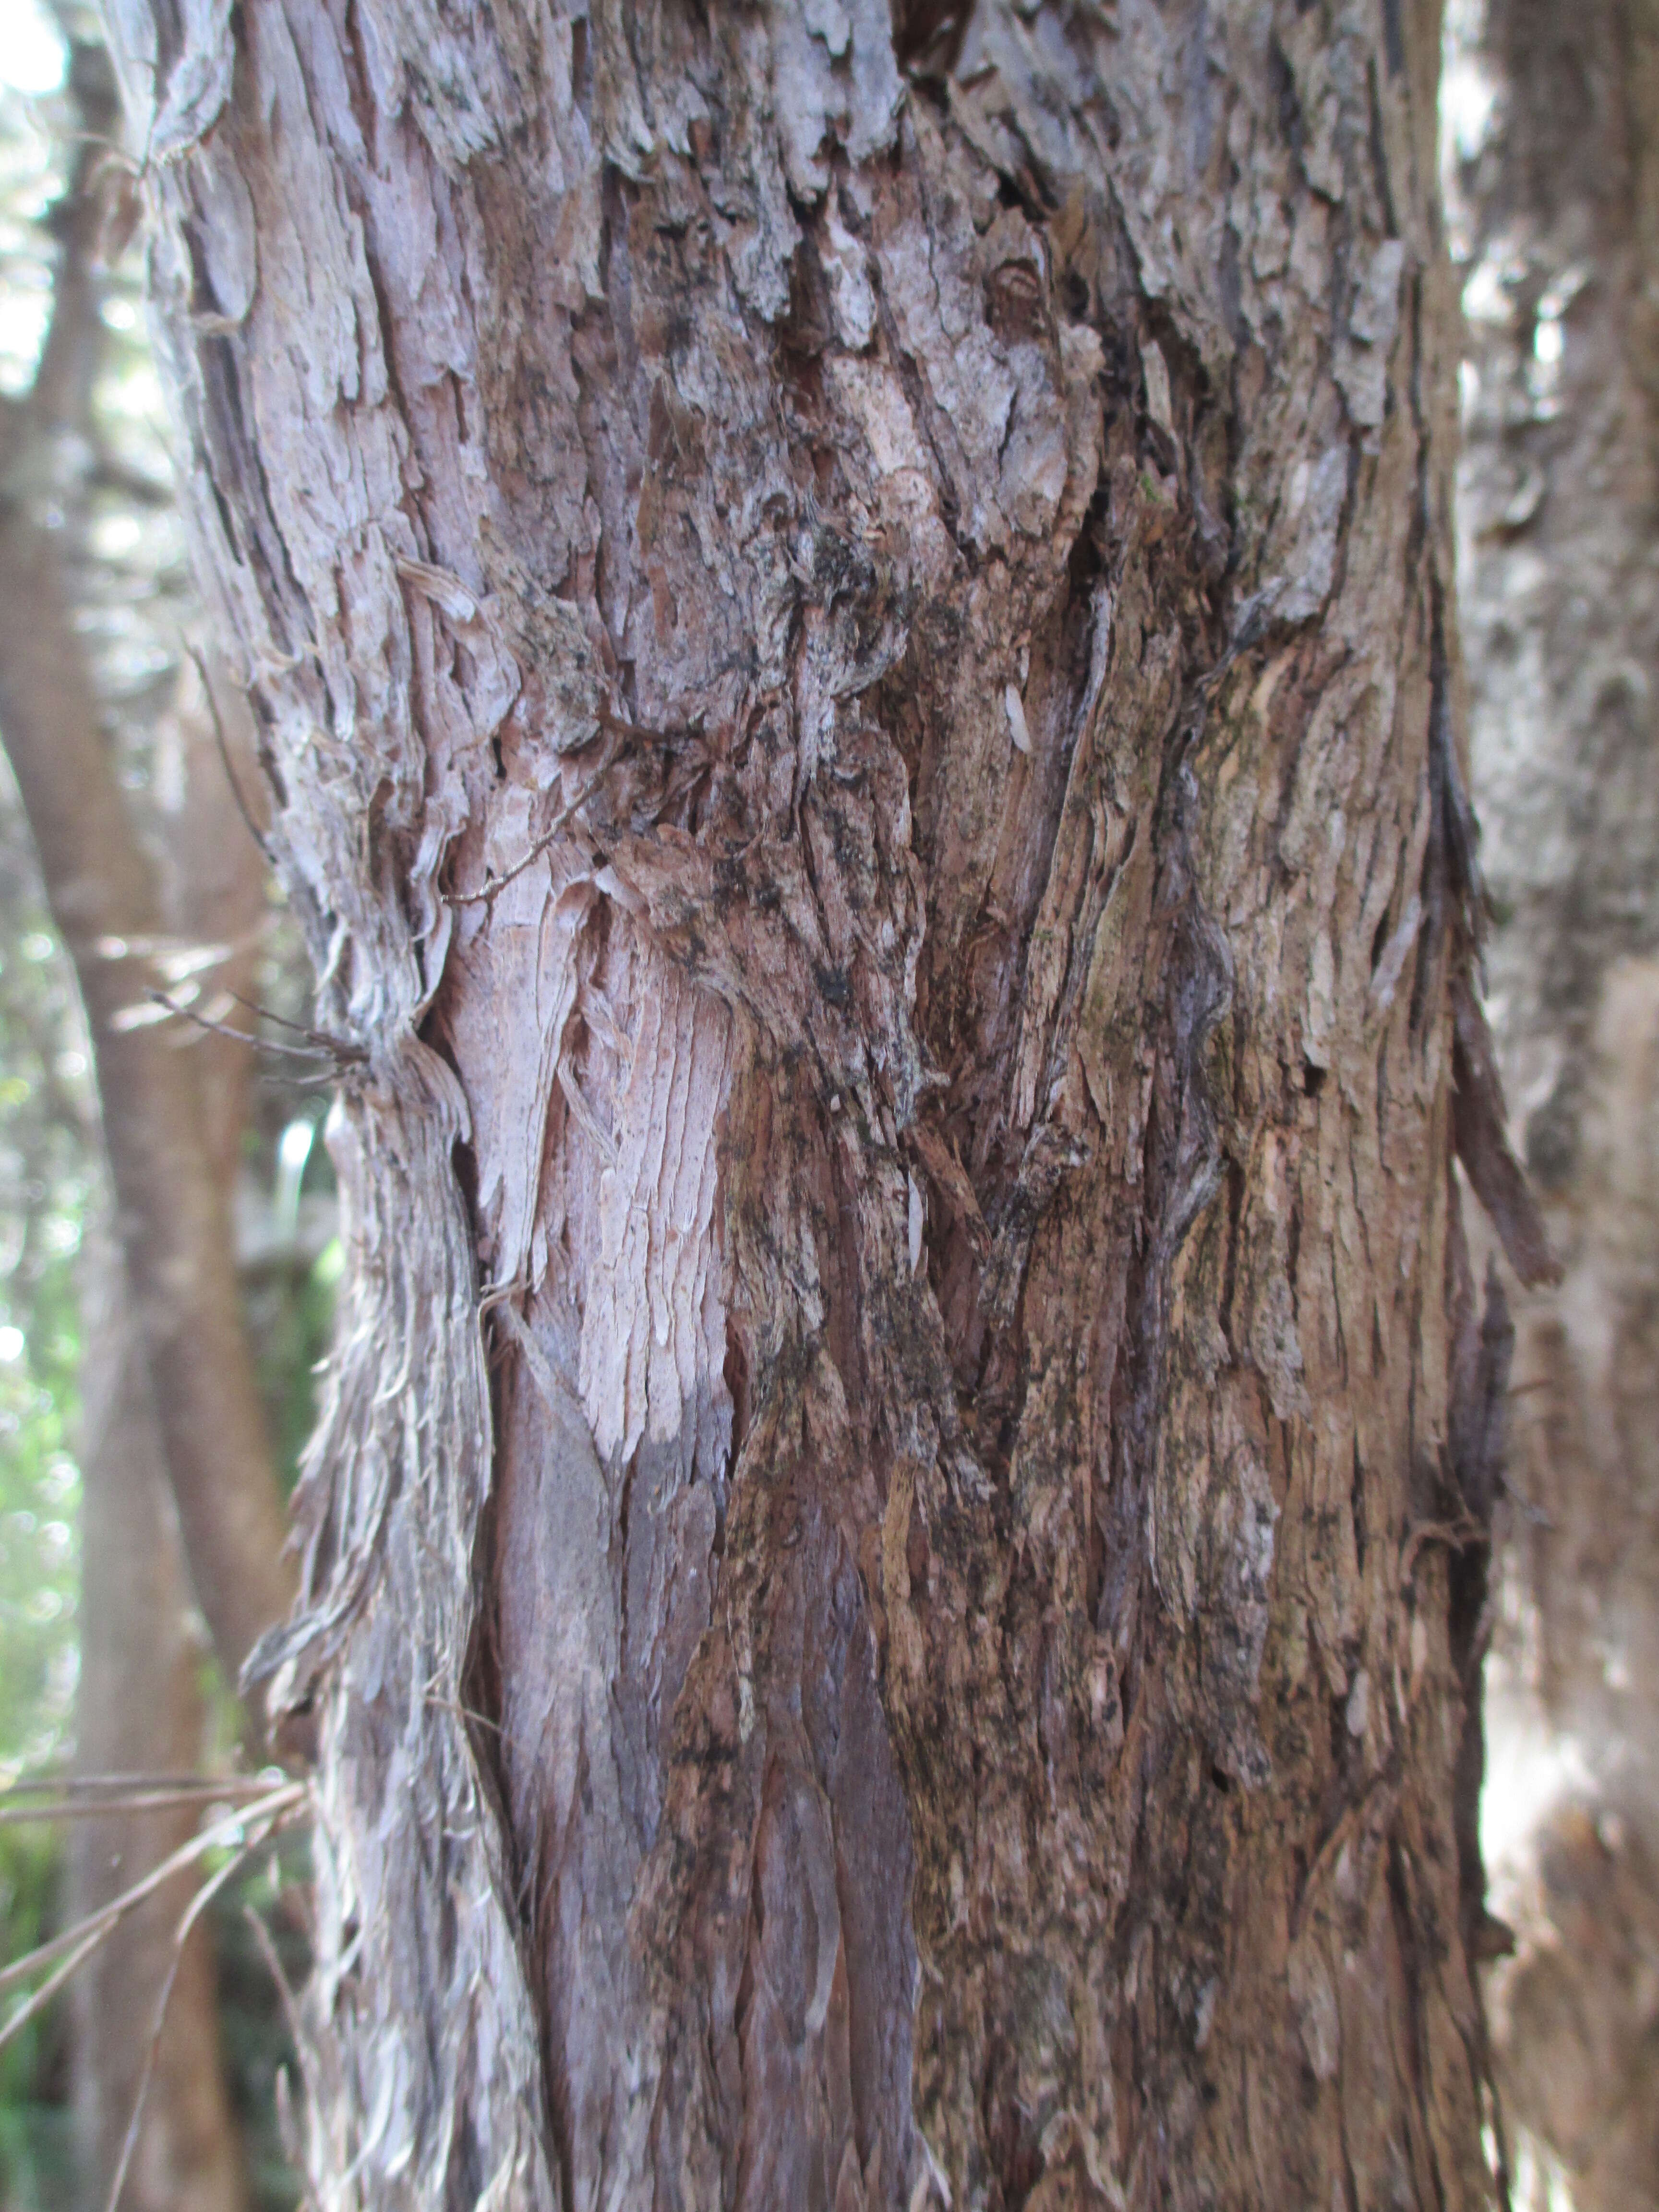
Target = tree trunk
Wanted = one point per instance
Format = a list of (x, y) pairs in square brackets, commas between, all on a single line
[(140, 1703), (1555, 116), (171, 1206), (140, 1707), (172, 1422), (852, 625)]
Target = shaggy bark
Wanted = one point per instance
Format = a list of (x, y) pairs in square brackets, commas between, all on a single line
[(852, 625), (1555, 116)]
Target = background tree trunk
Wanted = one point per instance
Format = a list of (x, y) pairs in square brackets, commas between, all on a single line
[(1554, 115), (169, 1390), (851, 621), (141, 1705), (172, 1209), (172, 1204), (140, 1708)]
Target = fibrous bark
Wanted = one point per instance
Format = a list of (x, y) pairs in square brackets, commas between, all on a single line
[(852, 623), (1554, 121)]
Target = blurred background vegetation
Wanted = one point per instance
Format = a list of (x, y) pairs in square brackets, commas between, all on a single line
[(134, 614)]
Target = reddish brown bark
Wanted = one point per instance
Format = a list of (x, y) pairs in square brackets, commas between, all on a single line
[(140, 1702), (852, 623)]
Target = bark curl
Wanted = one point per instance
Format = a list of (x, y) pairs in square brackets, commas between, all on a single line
[(854, 666)]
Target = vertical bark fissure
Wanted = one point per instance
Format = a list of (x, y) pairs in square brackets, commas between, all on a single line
[(880, 1024)]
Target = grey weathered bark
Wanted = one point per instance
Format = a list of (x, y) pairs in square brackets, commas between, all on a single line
[(1555, 112), (851, 620)]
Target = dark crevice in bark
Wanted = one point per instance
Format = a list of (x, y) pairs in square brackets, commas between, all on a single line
[(863, 522), (928, 33)]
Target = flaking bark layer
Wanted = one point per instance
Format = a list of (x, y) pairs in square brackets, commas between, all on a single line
[(852, 620)]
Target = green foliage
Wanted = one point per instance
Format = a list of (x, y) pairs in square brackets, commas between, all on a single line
[(33, 137), (253, 2026), (36, 2163), (290, 1306), (43, 1195), (43, 1192)]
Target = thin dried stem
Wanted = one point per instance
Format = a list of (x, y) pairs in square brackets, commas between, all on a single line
[(193, 1912), (314, 2195), (326, 1048), (101, 1806), (77, 1785), (322, 1038), (39, 1999), (223, 744), (274, 1967), (91, 1931)]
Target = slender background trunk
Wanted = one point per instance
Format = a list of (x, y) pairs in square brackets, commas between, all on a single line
[(141, 1703), (174, 1443), (1554, 122), (140, 1708), (172, 1209), (852, 625)]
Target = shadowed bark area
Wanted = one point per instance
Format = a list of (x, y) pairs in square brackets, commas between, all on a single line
[(852, 627), (1555, 153)]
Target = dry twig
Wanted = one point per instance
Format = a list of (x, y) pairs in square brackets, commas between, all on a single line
[(193, 1912), (81, 1940)]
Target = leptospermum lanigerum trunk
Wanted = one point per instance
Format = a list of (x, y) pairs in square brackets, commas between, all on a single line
[(851, 620)]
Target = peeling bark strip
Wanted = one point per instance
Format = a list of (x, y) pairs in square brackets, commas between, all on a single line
[(847, 622)]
